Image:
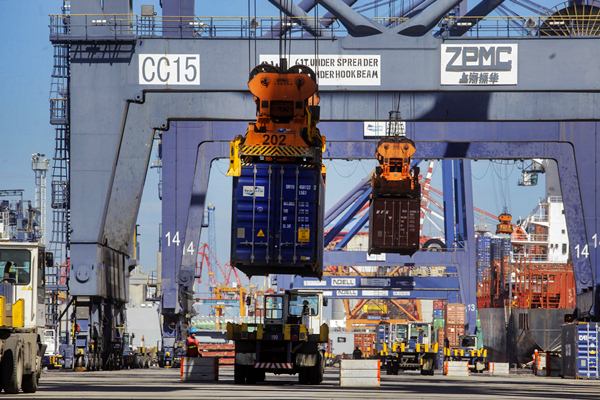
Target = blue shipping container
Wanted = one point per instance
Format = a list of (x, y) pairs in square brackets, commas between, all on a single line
[(580, 350), (277, 214)]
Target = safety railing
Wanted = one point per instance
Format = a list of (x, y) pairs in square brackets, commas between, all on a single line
[(128, 26), (533, 237), (540, 218), (566, 26), (525, 257), (72, 27)]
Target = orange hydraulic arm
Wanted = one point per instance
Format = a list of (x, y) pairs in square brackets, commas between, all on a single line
[(505, 224), (287, 113), (395, 176)]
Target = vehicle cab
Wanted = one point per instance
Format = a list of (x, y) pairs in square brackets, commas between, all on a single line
[(23, 265)]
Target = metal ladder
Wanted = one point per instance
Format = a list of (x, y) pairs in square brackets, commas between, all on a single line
[(59, 118)]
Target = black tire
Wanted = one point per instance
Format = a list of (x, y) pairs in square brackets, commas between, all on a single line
[(239, 374), (259, 375), (434, 245), (30, 383), (303, 376), (427, 368), (12, 372), (319, 372), (250, 376)]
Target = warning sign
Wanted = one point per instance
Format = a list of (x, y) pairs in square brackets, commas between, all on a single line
[(260, 233), (337, 69), (303, 235)]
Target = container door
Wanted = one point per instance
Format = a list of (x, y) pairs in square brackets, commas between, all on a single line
[(297, 215), (252, 214)]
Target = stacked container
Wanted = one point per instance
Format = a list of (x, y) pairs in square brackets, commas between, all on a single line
[(455, 323), (483, 254), (439, 321), (366, 343), (500, 248), (580, 358)]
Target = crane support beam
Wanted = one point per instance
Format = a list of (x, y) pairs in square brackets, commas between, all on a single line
[(452, 296), (356, 24), (347, 217), (297, 15), (472, 17), (353, 231), (427, 19), (307, 5), (365, 282), (346, 200)]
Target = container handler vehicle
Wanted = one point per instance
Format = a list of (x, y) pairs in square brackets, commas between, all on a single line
[(135, 357), (52, 357), (291, 339), (469, 350), (410, 348), (22, 320)]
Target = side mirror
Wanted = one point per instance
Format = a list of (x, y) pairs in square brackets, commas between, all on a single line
[(325, 302), (132, 336), (49, 259), (248, 301)]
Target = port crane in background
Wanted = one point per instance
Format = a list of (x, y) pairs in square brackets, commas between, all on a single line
[(223, 293)]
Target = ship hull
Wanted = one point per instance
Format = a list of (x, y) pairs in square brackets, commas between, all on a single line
[(531, 329), (527, 330), (493, 328)]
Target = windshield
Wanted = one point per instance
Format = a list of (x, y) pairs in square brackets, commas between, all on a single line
[(17, 264), (274, 307), (299, 301), (419, 331), (401, 331)]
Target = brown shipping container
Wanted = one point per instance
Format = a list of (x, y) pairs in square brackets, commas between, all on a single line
[(394, 225), (455, 314), (453, 333)]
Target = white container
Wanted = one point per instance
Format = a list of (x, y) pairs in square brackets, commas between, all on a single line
[(499, 368), (360, 373), (456, 368), (199, 369)]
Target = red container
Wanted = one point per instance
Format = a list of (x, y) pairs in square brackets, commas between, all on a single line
[(439, 304), (455, 314), (365, 342), (453, 334)]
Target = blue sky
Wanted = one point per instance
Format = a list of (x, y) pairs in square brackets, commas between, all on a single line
[(25, 77)]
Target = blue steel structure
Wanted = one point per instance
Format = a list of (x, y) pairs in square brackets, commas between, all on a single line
[(459, 235), (116, 105)]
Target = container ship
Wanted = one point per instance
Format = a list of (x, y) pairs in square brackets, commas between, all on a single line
[(525, 285)]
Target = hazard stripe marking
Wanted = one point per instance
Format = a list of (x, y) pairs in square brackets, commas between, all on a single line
[(292, 151)]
